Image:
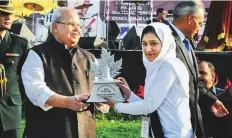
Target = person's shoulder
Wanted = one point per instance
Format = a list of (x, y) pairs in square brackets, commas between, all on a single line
[(18, 37), (167, 64), (85, 51), (171, 61), (88, 54), (219, 90), (168, 69), (176, 65), (166, 22)]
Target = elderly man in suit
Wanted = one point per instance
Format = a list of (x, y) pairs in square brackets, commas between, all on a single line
[(57, 79), (188, 17), (12, 49)]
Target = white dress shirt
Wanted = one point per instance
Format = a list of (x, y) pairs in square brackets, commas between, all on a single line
[(33, 80), (34, 83), (166, 97)]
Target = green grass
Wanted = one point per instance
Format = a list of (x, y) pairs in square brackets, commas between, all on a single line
[(118, 129), (114, 129)]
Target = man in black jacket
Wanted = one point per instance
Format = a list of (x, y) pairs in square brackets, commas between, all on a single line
[(188, 17), (12, 48), (57, 80), (207, 76)]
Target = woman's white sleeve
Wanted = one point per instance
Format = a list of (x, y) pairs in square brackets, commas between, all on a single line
[(165, 79)]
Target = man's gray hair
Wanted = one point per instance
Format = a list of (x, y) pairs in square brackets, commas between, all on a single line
[(58, 15), (188, 7)]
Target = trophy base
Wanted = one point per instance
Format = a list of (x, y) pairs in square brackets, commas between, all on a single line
[(105, 89)]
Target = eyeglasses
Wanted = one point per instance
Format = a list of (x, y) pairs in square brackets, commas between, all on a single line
[(71, 24), (200, 23)]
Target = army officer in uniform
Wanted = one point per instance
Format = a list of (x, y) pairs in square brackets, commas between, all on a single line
[(12, 48)]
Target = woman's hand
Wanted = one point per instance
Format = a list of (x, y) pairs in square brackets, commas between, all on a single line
[(103, 107), (123, 85)]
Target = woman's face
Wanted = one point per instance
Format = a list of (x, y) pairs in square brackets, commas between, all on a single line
[(151, 46)]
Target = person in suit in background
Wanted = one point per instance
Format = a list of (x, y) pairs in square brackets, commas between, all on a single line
[(188, 17), (222, 126), (160, 16), (207, 77), (12, 49)]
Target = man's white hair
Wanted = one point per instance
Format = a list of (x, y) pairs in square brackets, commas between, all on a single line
[(188, 7), (58, 15)]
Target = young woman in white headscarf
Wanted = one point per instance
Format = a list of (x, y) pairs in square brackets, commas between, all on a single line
[(166, 84)]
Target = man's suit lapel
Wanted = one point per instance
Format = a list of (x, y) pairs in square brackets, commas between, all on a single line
[(194, 57), (181, 46)]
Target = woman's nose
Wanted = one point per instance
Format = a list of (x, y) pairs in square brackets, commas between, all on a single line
[(148, 48)]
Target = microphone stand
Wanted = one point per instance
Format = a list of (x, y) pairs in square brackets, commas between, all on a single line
[(151, 4), (107, 24)]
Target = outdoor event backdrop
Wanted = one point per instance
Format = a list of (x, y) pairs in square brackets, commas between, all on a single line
[(134, 71)]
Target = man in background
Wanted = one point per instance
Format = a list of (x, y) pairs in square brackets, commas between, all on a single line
[(62, 3), (160, 16), (188, 17), (207, 77)]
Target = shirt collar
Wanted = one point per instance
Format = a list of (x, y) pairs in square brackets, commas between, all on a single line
[(3, 34), (52, 39), (213, 90), (180, 34)]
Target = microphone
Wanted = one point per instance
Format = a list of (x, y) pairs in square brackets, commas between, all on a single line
[(94, 15)]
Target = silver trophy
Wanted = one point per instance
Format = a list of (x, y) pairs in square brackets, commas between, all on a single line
[(104, 70)]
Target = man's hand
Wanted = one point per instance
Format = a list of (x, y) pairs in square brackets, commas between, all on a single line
[(104, 108), (218, 109), (74, 102)]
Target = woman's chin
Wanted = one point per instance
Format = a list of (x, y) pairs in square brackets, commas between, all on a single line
[(151, 59)]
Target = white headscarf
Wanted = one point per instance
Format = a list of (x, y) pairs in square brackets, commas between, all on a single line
[(168, 54)]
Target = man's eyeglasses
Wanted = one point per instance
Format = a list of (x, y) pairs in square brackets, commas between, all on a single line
[(71, 24), (200, 23)]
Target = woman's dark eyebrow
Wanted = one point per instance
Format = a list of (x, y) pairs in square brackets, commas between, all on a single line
[(149, 40)]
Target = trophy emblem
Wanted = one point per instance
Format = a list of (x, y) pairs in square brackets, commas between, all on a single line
[(104, 70)]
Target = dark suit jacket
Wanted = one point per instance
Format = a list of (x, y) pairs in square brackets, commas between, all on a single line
[(210, 121), (195, 89), (221, 127), (12, 49)]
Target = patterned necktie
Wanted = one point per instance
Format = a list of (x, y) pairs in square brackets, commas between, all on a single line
[(186, 43)]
